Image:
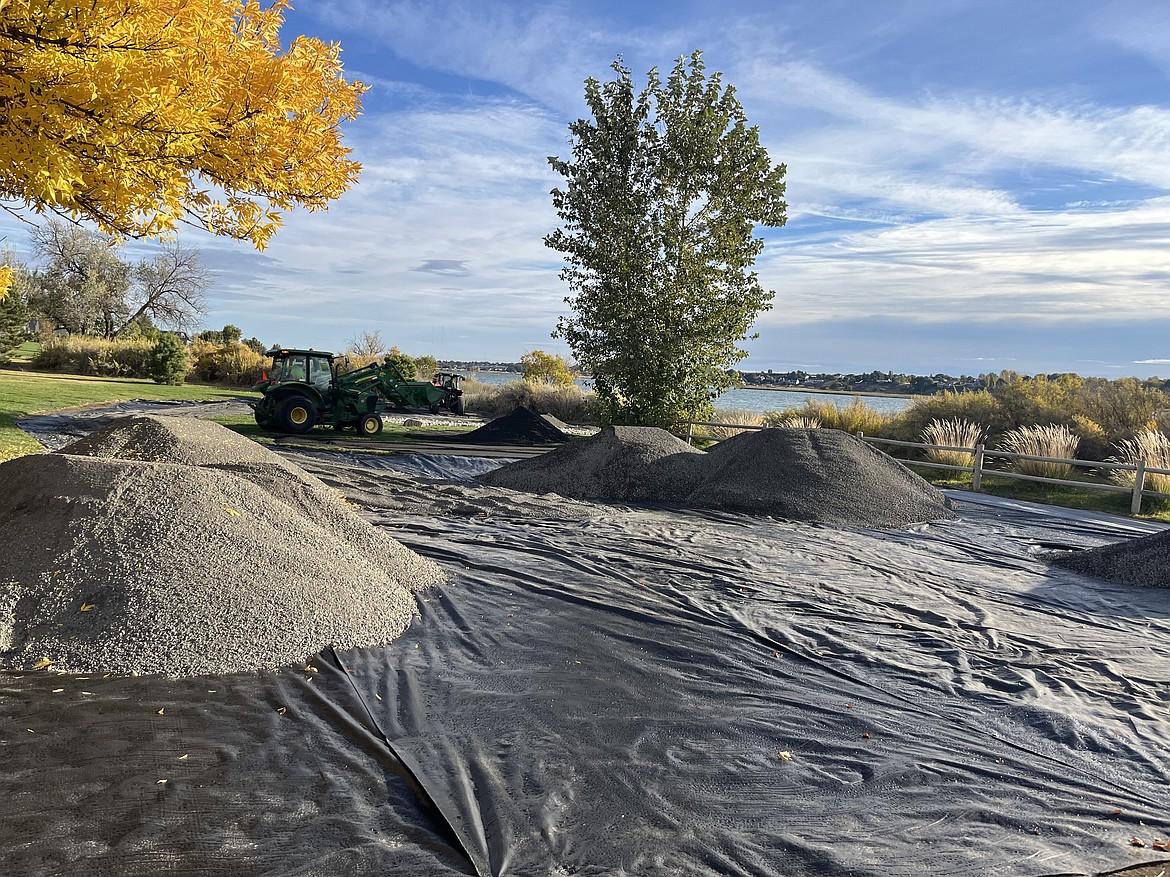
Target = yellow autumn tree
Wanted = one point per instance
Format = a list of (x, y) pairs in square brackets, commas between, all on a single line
[(139, 114)]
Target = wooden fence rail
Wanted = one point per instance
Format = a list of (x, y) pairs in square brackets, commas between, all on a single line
[(979, 468)]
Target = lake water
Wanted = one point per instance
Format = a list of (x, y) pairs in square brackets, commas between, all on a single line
[(756, 400)]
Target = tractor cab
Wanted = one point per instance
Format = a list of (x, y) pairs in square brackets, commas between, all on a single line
[(447, 380), (313, 367)]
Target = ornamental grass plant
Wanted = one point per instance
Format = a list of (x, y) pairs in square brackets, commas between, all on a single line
[(956, 432), (1149, 445), (1053, 440), (733, 417), (853, 418)]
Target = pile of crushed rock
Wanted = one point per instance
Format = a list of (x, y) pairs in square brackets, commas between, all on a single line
[(173, 545), (1143, 562), (816, 475), (523, 426)]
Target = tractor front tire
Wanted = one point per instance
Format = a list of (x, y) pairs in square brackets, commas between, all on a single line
[(370, 424), (296, 414)]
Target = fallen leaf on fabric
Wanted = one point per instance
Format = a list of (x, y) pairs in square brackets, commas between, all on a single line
[(88, 607), (160, 782), (43, 663), (784, 755), (865, 735), (280, 711), (1137, 842), (182, 758), (160, 712), (232, 512)]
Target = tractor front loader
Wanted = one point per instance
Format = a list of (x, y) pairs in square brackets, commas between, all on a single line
[(304, 388)]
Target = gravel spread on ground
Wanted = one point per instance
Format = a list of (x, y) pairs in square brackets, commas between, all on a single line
[(521, 427), (1144, 561), (175, 546), (817, 475)]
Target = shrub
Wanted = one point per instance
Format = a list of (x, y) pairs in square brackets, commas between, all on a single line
[(1053, 440), (84, 355), (237, 363), (168, 360), (1149, 445), (975, 407), (570, 404), (1120, 408), (955, 432)]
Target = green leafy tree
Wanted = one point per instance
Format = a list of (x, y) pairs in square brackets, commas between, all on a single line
[(425, 367), (168, 360), (661, 195), (546, 368), (404, 362), (14, 316)]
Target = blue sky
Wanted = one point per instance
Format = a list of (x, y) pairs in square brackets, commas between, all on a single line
[(972, 186)]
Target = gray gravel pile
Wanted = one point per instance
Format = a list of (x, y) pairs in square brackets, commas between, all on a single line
[(522, 426), (815, 475), (1144, 562), (630, 463), (822, 475), (165, 567)]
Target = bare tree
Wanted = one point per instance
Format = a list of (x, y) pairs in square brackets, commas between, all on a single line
[(169, 289), (367, 344)]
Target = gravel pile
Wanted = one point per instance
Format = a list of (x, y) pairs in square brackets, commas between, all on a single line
[(204, 554), (817, 475), (822, 475), (628, 463), (522, 427), (1144, 562)]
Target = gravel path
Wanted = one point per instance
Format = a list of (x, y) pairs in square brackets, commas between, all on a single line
[(816, 475), (172, 545)]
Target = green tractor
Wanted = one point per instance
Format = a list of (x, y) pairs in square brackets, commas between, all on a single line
[(304, 388)]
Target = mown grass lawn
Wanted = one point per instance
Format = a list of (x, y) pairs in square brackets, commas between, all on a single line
[(28, 392)]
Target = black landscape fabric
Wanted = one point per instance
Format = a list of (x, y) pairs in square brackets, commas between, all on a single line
[(643, 691)]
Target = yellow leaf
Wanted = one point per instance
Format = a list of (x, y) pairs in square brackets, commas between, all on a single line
[(87, 607), (43, 663), (232, 512)]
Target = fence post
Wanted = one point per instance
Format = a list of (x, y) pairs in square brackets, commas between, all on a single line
[(690, 431), (977, 469), (861, 435), (1139, 484)]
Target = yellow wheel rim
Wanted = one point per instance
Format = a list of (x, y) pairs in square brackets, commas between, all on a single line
[(298, 415)]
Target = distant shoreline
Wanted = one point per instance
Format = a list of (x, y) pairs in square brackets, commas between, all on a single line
[(876, 395)]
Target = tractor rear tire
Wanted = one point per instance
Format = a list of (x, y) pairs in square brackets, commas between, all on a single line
[(459, 406), (370, 424), (296, 414)]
